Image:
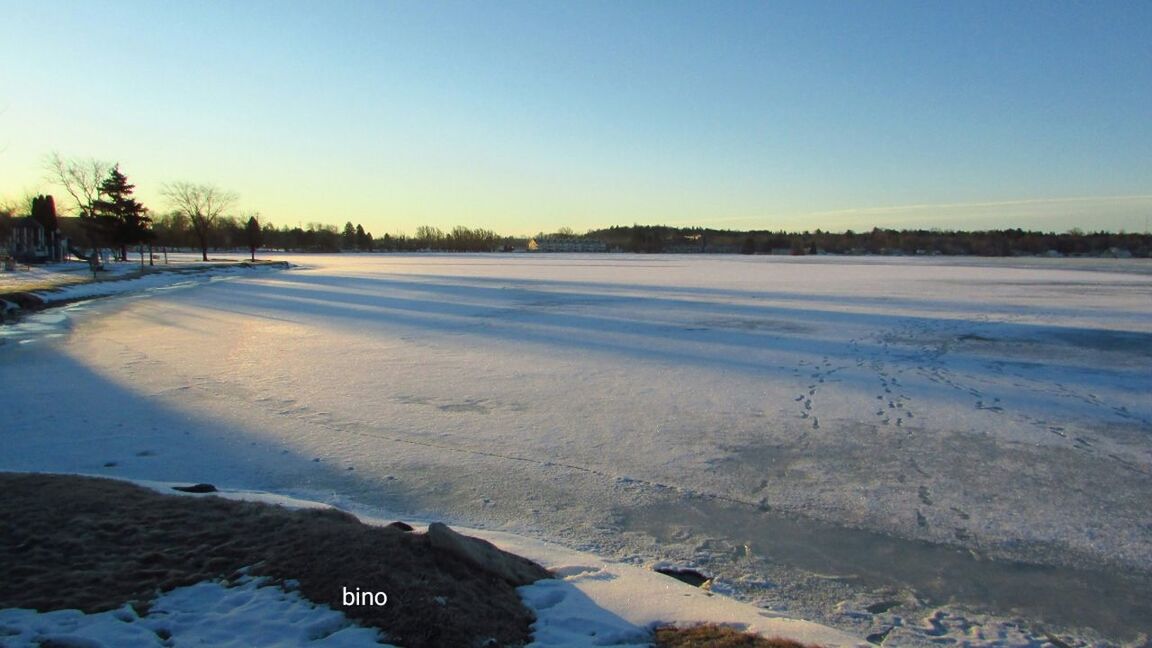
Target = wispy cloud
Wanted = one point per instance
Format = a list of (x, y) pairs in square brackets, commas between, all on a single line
[(1031, 203), (1130, 212)]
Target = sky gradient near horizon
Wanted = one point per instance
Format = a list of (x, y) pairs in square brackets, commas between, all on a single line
[(524, 116)]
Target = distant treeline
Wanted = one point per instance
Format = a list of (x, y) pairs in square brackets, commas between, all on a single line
[(317, 237), (174, 230), (1007, 242)]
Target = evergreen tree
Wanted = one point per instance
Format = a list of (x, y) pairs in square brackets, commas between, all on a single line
[(253, 235), (120, 218), (348, 238), (363, 239), (44, 212)]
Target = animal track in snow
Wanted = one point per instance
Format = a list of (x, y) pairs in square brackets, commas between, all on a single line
[(924, 495)]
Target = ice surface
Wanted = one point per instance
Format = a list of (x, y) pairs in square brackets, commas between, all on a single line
[(648, 408)]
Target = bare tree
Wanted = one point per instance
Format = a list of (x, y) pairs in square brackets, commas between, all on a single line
[(202, 204), (21, 205), (10, 206), (8, 209), (81, 178)]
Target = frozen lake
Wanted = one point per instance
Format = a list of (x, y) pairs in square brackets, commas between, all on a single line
[(933, 439)]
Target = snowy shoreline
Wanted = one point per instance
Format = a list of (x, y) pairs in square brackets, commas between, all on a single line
[(61, 284), (588, 602)]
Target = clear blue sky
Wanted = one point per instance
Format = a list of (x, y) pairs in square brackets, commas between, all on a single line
[(527, 116)]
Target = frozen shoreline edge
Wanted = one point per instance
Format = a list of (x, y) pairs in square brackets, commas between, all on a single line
[(610, 597)]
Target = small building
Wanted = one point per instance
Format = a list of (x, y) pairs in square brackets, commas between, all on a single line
[(30, 242)]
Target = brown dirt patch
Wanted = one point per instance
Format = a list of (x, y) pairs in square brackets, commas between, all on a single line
[(95, 544), (711, 635)]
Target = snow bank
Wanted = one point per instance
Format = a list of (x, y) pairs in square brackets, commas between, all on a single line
[(245, 614), (594, 602)]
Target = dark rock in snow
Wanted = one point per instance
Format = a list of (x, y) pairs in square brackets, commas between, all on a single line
[(877, 638), (25, 300), (690, 576), (196, 488), (881, 607)]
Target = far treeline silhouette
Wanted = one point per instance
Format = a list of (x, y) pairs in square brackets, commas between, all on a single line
[(174, 231), (316, 237), (230, 233), (654, 239), (1006, 242)]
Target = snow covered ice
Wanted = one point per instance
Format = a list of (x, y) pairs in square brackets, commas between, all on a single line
[(967, 440)]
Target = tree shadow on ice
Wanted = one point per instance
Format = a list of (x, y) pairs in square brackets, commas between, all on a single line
[(451, 285), (64, 417), (471, 297), (756, 339)]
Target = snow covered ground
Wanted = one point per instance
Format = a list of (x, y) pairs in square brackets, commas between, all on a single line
[(61, 282), (205, 614), (931, 450), (591, 602), (29, 277)]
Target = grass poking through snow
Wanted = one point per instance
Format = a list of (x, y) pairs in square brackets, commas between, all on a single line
[(716, 636)]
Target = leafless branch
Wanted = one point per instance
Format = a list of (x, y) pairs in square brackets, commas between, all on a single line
[(81, 178)]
